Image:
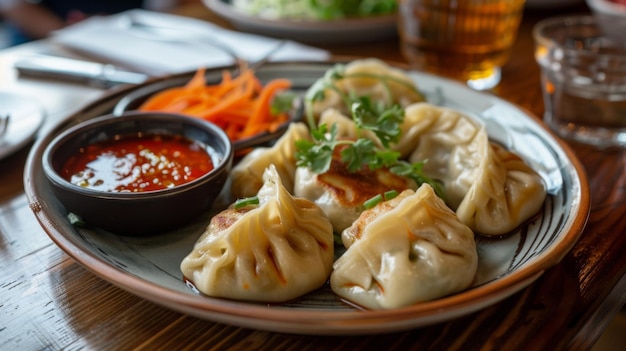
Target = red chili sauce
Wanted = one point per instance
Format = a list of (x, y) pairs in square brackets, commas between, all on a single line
[(138, 164)]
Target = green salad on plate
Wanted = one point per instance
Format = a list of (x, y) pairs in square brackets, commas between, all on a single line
[(315, 9)]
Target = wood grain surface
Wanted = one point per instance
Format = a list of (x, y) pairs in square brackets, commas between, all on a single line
[(49, 302)]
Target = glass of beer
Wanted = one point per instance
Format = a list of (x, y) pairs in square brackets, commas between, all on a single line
[(467, 40)]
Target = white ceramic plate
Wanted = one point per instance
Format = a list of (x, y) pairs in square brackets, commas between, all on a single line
[(149, 267), (367, 29), (26, 117)]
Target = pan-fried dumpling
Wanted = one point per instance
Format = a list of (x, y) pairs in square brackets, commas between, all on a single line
[(341, 193), (492, 190), (413, 251), (275, 251), (354, 232), (247, 175), (365, 77)]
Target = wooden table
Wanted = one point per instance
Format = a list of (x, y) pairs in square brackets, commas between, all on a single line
[(48, 301)]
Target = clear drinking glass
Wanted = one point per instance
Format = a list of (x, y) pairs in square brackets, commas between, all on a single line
[(583, 78), (468, 40)]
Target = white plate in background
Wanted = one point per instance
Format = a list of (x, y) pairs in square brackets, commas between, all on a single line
[(353, 30)]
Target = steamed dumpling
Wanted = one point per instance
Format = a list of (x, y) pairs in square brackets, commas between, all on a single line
[(365, 77), (275, 251), (506, 193), (247, 175), (492, 190), (412, 251), (450, 143)]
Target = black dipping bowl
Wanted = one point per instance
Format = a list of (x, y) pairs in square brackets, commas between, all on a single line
[(140, 213)]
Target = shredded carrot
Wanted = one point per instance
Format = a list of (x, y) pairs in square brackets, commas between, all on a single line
[(261, 118), (240, 105), (197, 81)]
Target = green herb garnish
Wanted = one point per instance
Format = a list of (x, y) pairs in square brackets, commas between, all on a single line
[(241, 203), (391, 194), (384, 122), (317, 154), (329, 81), (337, 239), (76, 220), (376, 199), (373, 201), (283, 103), (383, 118)]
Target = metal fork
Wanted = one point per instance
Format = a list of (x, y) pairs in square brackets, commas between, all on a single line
[(4, 124)]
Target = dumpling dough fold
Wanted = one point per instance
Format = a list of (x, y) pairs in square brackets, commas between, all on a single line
[(247, 175), (413, 251), (272, 252), (365, 77), (506, 193), (492, 190)]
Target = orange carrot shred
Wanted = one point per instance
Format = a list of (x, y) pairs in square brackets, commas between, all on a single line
[(262, 108), (240, 105), (197, 81)]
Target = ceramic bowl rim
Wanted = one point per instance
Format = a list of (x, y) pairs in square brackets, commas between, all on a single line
[(221, 161)]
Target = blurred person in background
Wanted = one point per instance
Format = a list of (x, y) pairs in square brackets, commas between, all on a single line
[(28, 20)]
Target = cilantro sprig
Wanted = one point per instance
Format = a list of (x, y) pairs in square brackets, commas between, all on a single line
[(283, 102), (330, 80), (383, 118), (317, 154)]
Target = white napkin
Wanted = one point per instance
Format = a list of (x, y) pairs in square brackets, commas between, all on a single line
[(173, 44)]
